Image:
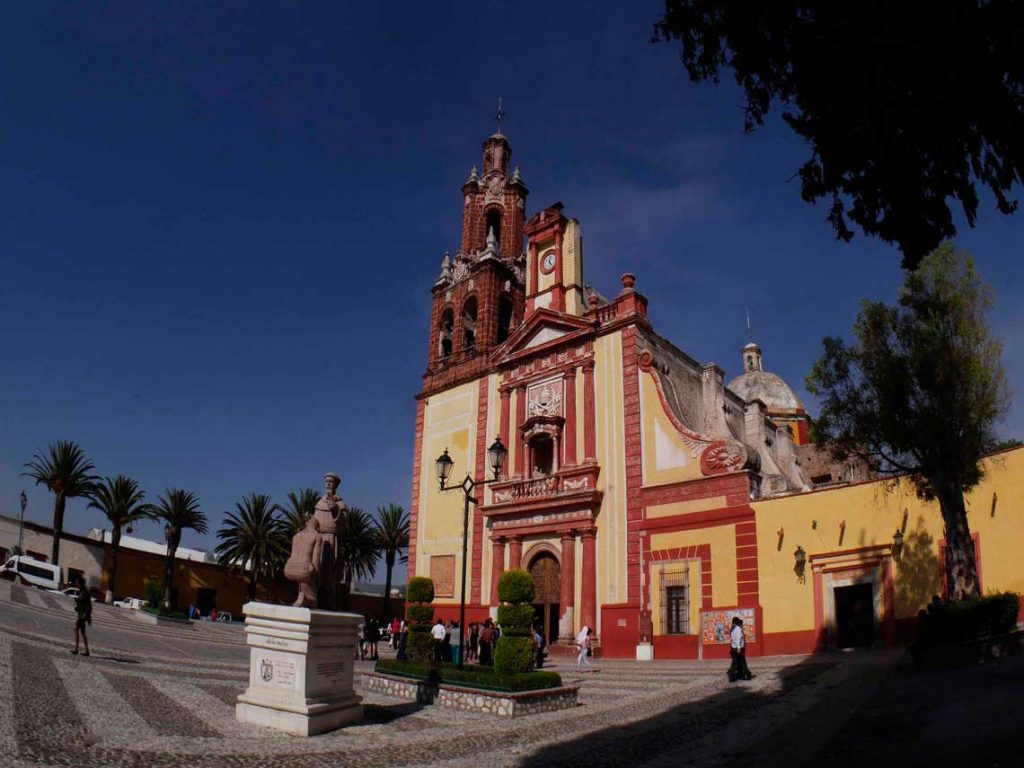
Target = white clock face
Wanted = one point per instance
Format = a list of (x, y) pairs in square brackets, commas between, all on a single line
[(548, 262)]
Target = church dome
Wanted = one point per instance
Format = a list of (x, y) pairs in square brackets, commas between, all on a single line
[(757, 384)]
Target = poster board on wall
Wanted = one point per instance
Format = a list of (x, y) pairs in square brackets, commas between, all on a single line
[(715, 625), (442, 573)]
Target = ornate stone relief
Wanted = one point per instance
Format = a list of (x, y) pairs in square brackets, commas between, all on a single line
[(545, 398)]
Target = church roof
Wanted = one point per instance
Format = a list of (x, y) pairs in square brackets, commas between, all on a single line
[(766, 387)]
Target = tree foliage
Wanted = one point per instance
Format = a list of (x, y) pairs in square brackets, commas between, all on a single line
[(905, 106), (300, 507), (919, 391), (178, 510), (357, 546), (392, 531), (123, 503), (253, 537), (66, 472)]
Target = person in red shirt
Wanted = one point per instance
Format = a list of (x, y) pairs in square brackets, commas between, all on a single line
[(396, 630)]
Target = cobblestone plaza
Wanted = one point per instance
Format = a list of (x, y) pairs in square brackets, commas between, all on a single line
[(159, 697)]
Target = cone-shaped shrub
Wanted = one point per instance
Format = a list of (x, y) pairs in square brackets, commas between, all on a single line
[(420, 614), (514, 652)]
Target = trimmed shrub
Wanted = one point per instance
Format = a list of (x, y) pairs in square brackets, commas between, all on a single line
[(422, 615), (994, 614), (154, 592), (516, 586), (420, 590), (420, 646), (514, 655), (515, 616), (472, 677)]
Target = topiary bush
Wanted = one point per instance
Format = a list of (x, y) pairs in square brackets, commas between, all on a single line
[(515, 652), (420, 615), (516, 586), (154, 592), (420, 590)]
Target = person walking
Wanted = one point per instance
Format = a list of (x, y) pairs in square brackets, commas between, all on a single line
[(738, 670), (455, 636), (583, 641), (403, 640), (396, 630), (486, 641), (438, 633), (372, 638), (83, 614)]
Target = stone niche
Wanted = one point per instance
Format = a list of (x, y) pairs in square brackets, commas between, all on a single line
[(301, 663)]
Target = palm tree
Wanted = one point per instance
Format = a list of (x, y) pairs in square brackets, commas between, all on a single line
[(121, 500), (392, 531), (300, 508), (357, 548), (66, 473), (254, 537), (178, 509)]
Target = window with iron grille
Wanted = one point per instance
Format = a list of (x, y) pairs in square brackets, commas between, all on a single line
[(675, 604)]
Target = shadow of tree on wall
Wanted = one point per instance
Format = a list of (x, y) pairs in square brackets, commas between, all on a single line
[(918, 574), (669, 730)]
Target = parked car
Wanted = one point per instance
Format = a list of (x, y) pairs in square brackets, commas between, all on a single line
[(33, 571), (134, 603)]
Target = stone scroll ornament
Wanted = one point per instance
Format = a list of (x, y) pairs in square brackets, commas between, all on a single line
[(717, 457), (314, 563)]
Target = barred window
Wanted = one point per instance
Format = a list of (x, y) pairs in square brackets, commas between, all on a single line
[(675, 604)]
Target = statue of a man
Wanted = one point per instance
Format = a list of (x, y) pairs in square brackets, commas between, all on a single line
[(329, 511)]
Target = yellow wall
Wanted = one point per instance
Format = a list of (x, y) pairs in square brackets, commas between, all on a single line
[(873, 512), (678, 566), (722, 540)]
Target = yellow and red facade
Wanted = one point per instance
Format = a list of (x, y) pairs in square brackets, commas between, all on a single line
[(667, 502)]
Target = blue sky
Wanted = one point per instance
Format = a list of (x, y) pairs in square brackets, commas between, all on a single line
[(219, 224)]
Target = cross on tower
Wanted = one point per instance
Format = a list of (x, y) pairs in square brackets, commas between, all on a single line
[(499, 115)]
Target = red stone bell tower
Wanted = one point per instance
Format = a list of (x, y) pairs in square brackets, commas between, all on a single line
[(479, 295)]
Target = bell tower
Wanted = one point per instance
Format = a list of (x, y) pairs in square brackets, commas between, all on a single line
[(479, 295)]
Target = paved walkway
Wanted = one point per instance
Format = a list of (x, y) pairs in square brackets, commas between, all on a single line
[(157, 698)]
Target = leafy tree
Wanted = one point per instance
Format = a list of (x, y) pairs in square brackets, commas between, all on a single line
[(392, 531), (357, 548), (1005, 445), (254, 537), (177, 509), (904, 105), (122, 501), (300, 507), (67, 473), (919, 391)]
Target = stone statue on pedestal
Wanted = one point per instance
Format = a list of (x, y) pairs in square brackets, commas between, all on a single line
[(314, 560)]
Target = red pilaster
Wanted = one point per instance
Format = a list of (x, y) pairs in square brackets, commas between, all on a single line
[(506, 395), (497, 567), (634, 466), (567, 598), (515, 552), (414, 507), (588, 598), (520, 418), (480, 473), (589, 436), (559, 287), (569, 434), (534, 266)]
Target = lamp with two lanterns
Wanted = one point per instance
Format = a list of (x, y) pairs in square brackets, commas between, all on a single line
[(496, 455)]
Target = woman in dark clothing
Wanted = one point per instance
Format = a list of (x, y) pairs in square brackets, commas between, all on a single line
[(83, 611), (403, 641)]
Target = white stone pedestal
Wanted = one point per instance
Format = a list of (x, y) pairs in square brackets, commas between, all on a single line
[(300, 669), (645, 652)]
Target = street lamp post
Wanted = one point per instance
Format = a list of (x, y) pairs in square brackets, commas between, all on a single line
[(21, 533), (496, 458)]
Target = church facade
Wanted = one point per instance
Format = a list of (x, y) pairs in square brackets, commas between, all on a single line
[(650, 500)]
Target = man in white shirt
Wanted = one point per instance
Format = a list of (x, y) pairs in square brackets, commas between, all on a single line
[(738, 670), (438, 633)]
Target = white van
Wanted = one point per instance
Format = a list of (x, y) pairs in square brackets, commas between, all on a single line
[(33, 571)]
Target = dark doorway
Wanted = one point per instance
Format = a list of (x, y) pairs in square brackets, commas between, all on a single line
[(855, 616), (547, 580), (206, 599)]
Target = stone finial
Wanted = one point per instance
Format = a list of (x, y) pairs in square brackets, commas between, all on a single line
[(593, 301), (515, 175), (446, 268), (473, 177), (628, 281), (492, 241)]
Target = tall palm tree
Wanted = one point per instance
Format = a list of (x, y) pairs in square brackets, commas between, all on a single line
[(300, 508), (121, 500), (392, 531), (178, 509), (254, 537), (67, 473), (357, 549)]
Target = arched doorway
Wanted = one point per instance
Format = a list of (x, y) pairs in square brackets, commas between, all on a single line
[(547, 580)]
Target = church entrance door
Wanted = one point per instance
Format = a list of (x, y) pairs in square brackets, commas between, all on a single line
[(547, 579)]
